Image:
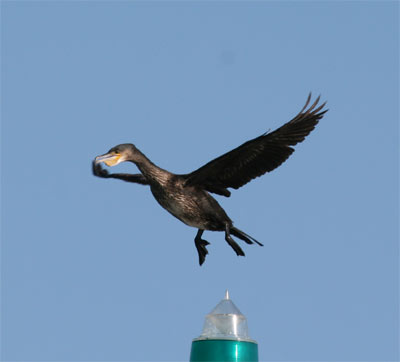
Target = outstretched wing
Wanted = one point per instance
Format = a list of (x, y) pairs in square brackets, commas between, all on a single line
[(257, 156), (137, 178)]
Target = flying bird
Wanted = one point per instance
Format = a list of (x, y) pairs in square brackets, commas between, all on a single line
[(187, 196)]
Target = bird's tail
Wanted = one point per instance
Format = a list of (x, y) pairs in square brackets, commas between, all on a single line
[(243, 236)]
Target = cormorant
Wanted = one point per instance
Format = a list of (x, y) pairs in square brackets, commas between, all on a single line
[(187, 196)]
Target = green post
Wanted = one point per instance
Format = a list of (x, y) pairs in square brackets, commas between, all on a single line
[(225, 336)]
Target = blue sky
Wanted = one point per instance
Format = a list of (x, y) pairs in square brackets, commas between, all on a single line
[(95, 270)]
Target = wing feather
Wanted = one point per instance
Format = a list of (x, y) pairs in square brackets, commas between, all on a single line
[(257, 156)]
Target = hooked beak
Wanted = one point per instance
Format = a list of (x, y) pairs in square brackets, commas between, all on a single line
[(110, 159)]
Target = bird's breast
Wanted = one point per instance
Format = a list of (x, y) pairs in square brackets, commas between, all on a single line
[(193, 207)]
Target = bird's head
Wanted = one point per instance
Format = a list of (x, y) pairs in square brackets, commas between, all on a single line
[(118, 154)]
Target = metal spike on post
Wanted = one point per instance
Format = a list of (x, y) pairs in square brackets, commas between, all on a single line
[(225, 336)]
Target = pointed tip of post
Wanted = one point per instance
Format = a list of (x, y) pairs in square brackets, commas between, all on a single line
[(227, 294)]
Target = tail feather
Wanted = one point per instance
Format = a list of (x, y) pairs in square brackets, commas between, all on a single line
[(243, 236)]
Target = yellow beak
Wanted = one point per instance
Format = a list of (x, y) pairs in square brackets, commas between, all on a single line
[(110, 159)]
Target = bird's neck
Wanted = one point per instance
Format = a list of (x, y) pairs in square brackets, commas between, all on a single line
[(152, 172)]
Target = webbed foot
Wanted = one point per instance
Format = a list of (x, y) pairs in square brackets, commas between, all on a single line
[(201, 246), (238, 250)]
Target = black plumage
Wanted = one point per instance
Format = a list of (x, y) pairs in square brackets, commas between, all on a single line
[(187, 196)]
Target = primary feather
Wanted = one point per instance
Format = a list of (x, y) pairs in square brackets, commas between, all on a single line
[(257, 156)]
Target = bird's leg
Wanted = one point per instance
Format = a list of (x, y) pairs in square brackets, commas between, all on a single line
[(232, 242), (201, 246)]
